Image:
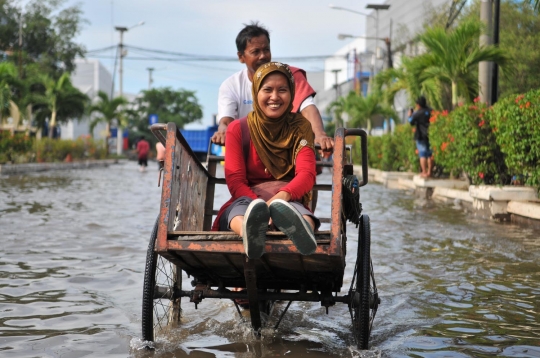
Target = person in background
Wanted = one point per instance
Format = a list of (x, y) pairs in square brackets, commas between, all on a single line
[(235, 98), (160, 153), (143, 148), (270, 167), (420, 119)]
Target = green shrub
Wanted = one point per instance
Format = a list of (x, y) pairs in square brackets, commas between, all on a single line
[(517, 126), (374, 151), (392, 152), (403, 136), (55, 150), (464, 141), (16, 148)]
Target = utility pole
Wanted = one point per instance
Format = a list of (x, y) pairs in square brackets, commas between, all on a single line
[(121, 29), (390, 62), (377, 7), (336, 86), (119, 134), (20, 44), (484, 68), (150, 80), (388, 42), (121, 50), (495, 77)]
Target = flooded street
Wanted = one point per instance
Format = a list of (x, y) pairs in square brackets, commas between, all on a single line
[(73, 250)]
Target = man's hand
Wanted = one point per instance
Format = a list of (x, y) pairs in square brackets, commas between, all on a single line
[(326, 143), (219, 136), (311, 113)]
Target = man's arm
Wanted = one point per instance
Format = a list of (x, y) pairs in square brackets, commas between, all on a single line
[(311, 113), (227, 111), (412, 119), (219, 136)]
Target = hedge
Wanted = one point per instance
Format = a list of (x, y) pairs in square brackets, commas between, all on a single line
[(496, 145), (23, 149)]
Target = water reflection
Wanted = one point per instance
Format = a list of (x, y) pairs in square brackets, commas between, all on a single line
[(73, 255)]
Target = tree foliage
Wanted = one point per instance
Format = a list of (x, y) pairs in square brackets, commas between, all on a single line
[(178, 106), (518, 38), (107, 111), (361, 110), (48, 33), (59, 101)]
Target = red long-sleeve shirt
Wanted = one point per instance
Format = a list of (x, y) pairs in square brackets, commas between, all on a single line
[(239, 179)]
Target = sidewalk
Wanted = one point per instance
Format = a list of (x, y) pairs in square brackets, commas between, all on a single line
[(8, 169), (503, 203)]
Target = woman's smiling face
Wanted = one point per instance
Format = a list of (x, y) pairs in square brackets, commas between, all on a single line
[(274, 95)]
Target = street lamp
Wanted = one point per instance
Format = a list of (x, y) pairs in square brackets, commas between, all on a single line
[(122, 29), (332, 6), (150, 80)]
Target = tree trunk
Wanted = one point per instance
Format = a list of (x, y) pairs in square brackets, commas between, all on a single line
[(119, 140), (454, 94), (52, 124)]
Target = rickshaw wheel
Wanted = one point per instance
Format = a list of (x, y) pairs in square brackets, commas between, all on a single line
[(160, 307), (364, 298)]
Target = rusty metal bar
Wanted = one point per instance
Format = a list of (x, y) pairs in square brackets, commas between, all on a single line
[(337, 196), (363, 144), (168, 174), (238, 247), (251, 284), (156, 130), (262, 296), (282, 315)]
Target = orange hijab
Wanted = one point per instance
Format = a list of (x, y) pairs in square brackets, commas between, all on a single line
[(278, 140)]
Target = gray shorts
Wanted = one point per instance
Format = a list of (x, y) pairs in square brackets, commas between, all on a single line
[(239, 208)]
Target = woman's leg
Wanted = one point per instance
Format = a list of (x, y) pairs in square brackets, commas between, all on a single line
[(310, 221), (236, 224)]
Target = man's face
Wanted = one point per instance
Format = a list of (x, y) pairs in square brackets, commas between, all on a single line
[(257, 53)]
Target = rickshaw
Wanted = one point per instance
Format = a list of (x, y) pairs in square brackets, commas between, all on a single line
[(182, 240)]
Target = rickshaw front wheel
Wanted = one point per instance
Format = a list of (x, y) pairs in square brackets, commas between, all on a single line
[(364, 299), (160, 308)]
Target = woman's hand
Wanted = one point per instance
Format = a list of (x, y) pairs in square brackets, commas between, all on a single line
[(283, 195)]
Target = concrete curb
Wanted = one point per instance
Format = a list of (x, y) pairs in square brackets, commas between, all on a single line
[(8, 169), (507, 203)]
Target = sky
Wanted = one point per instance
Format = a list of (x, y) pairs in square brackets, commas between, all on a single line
[(298, 28)]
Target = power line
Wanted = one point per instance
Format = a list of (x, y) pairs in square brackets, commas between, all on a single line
[(101, 49), (185, 57)]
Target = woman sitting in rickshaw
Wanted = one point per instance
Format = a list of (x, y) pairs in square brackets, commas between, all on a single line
[(270, 167)]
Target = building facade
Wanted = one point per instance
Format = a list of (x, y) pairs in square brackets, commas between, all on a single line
[(90, 77), (361, 58)]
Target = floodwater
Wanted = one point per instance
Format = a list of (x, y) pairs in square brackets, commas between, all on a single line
[(73, 246)]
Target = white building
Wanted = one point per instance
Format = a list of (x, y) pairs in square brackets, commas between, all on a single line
[(90, 77), (401, 22), (347, 70), (361, 58)]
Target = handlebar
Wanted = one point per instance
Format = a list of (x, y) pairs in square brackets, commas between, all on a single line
[(363, 144)]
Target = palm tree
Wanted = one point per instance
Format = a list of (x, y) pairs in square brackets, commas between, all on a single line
[(407, 77), (108, 111), (453, 57), (362, 110), (60, 101), (10, 89)]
